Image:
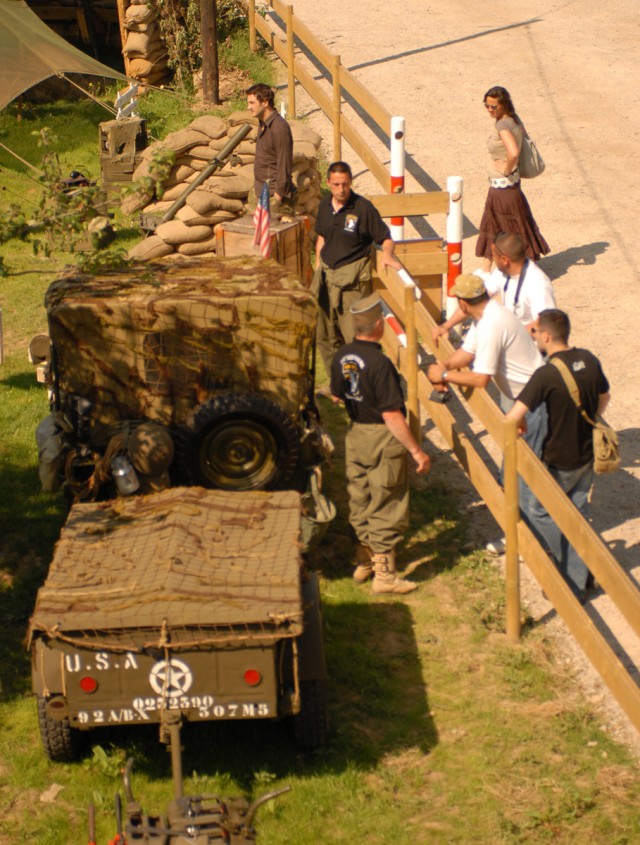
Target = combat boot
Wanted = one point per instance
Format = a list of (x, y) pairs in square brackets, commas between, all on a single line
[(385, 578), (364, 567)]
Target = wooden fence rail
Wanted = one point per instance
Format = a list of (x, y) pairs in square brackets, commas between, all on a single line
[(580, 534), (282, 40)]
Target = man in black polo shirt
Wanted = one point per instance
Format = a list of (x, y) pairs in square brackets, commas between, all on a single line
[(567, 450), (375, 448), (274, 150), (347, 225)]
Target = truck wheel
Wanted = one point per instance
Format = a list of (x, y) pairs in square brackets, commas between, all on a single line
[(239, 442), (60, 741), (311, 725)]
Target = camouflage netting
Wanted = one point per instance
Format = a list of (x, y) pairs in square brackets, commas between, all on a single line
[(155, 342), (186, 566), (223, 196)]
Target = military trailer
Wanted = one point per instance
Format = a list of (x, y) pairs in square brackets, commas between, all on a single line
[(184, 434)]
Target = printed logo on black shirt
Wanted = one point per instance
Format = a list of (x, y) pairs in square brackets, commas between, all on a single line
[(350, 223)]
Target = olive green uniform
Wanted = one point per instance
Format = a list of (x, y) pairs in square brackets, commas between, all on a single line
[(376, 463)]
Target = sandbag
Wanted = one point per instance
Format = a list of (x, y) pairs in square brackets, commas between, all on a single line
[(184, 139), (303, 132), (176, 232), (210, 125), (197, 248), (202, 152), (138, 14), (152, 247), (213, 219), (186, 214), (206, 202), (229, 187), (304, 148), (140, 43)]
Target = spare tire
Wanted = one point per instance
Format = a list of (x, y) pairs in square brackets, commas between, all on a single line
[(238, 441)]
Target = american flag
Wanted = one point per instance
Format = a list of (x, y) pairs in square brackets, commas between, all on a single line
[(261, 222)]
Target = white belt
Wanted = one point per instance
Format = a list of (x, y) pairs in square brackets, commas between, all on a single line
[(504, 181)]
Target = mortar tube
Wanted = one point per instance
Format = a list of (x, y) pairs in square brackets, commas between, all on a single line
[(218, 161)]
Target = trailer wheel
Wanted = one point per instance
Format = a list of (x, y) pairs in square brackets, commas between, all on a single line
[(239, 442), (311, 725), (60, 741)]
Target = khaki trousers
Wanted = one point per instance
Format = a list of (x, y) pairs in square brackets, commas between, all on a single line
[(336, 291), (378, 486)]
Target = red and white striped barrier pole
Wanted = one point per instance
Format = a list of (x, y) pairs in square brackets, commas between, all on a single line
[(391, 318), (454, 238), (397, 172)]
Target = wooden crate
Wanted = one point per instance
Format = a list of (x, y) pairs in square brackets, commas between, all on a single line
[(289, 242)]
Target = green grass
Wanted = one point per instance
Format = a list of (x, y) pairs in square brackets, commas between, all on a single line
[(441, 731)]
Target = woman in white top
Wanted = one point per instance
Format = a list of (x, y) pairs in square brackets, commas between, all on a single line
[(506, 208)]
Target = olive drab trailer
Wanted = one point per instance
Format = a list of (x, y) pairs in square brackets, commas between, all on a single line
[(184, 434)]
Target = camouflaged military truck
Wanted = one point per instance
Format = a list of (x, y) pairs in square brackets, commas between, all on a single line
[(184, 434)]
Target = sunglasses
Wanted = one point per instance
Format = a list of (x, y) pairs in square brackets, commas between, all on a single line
[(491, 108)]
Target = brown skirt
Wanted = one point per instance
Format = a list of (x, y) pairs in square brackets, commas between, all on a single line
[(507, 210)]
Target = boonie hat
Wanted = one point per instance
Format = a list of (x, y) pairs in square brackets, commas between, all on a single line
[(468, 286), (367, 310)]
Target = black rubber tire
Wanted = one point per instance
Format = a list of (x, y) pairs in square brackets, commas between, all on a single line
[(238, 441), (61, 742), (311, 725)]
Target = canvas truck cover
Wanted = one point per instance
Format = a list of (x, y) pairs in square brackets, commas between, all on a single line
[(178, 569), (156, 341)]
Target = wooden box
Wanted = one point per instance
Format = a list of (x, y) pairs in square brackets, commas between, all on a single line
[(289, 242)]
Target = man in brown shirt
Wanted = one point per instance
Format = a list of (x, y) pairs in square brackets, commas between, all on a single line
[(274, 149)]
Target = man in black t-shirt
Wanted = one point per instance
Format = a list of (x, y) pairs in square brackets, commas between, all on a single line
[(375, 448), (346, 226), (567, 450)]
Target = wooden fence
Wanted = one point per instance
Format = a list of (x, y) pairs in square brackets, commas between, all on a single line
[(283, 40), (426, 261), (578, 531)]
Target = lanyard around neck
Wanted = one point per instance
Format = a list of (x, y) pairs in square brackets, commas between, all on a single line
[(520, 283)]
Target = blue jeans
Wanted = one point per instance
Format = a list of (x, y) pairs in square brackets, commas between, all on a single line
[(576, 483)]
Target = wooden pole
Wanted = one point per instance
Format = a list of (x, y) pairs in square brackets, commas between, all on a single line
[(209, 37), (253, 42), (291, 76), (412, 362), (511, 517), (337, 111)]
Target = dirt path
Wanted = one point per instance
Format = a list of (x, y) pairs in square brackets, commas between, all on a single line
[(571, 69)]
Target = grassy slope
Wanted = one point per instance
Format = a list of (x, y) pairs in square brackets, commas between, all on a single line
[(440, 731)]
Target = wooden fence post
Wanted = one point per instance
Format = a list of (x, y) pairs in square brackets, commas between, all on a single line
[(412, 361), (511, 516), (337, 111), (253, 42), (291, 76)]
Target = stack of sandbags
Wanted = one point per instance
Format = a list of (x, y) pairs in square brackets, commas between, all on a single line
[(144, 48), (223, 196)]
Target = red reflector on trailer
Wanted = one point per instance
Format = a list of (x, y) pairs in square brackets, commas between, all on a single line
[(88, 684), (252, 677)]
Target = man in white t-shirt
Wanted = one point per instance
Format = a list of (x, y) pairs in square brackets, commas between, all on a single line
[(497, 346), (516, 281)]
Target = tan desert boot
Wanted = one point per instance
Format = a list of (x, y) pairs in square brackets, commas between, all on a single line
[(364, 568), (385, 579)]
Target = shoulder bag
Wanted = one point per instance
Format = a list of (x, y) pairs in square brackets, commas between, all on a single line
[(606, 454), (530, 163)]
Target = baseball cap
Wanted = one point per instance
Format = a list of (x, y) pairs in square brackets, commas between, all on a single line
[(468, 286)]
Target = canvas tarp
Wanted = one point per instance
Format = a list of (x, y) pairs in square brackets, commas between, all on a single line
[(32, 52)]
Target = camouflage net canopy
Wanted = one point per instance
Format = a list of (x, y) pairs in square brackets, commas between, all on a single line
[(156, 341), (176, 569)]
